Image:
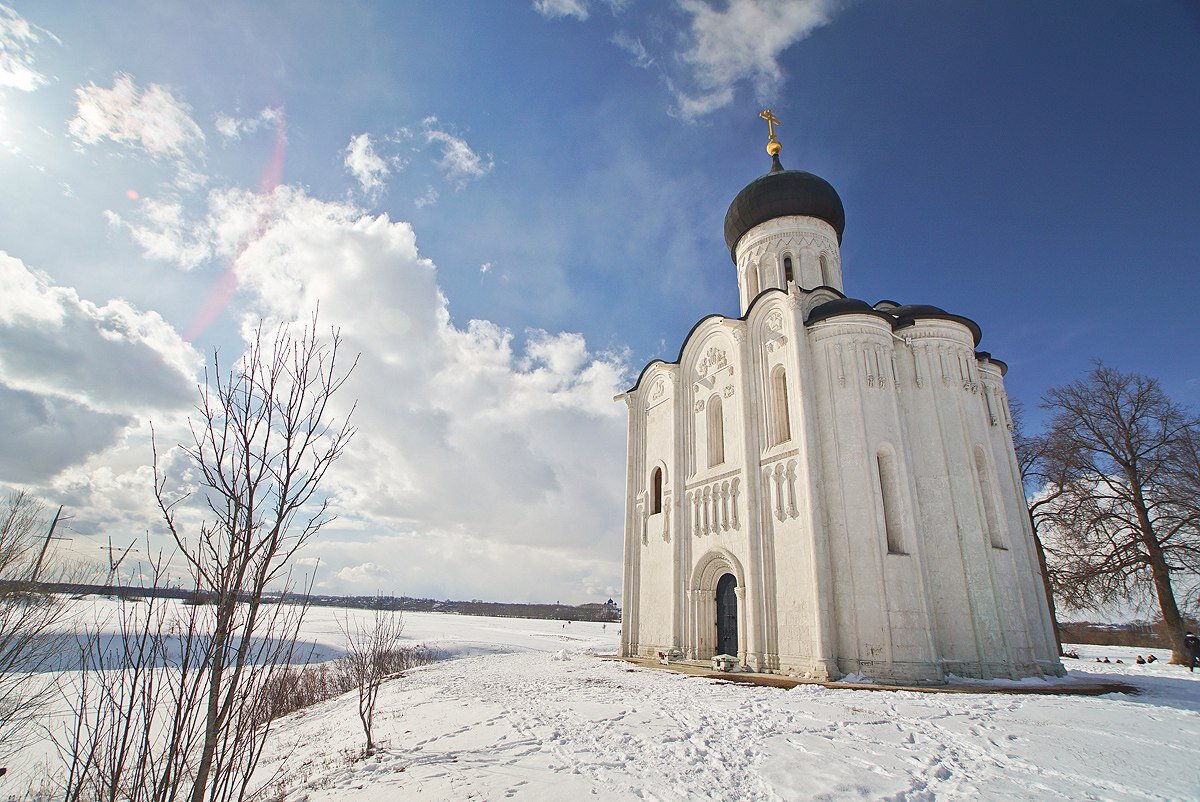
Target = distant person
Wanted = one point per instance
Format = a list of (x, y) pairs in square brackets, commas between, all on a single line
[(1141, 661), (1192, 643), (1151, 659)]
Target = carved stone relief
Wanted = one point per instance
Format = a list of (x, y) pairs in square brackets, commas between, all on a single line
[(713, 359)]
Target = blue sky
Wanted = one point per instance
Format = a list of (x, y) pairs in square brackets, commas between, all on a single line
[(511, 207)]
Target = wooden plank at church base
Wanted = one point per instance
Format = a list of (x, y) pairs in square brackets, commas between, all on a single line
[(1049, 688)]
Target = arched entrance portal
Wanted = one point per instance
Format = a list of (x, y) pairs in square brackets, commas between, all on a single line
[(717, 608), (727, 615)]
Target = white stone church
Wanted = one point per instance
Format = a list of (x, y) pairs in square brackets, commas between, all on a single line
[(824, 486)]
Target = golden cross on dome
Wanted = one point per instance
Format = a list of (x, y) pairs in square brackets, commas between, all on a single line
[(771, 119), (773, 146)]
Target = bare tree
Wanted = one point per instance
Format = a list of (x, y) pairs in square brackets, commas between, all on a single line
[(263, 440), (372, 655), (139, 701), (1123, 522), (30, 619), (1041, 491)]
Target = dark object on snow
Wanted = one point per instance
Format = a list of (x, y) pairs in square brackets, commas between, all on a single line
[(1141, 661), (1151, 659), (1192, 643), (1106, 660)]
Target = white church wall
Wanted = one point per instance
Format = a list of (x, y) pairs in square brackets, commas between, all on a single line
[(960, 564), (879, 595), (657, 603), (785, 490), (1031, 614)]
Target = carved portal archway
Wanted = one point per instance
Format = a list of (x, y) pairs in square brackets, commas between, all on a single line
[(717, 570)]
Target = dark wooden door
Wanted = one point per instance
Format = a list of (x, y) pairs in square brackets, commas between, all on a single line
[(727, 634)]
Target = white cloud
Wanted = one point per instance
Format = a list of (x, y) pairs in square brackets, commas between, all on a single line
[(486, 267), (165, 234), (428, 199), (17, 38), (634, 47), (488, 463), (466, 437), (459, 163), (74, 375), (111, 358), (152, 120), (741, 42), (553, 9), (234, 128), (579, 9), (365, 164)]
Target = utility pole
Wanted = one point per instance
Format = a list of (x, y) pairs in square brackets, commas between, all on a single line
[(114, 565), (58, 516)]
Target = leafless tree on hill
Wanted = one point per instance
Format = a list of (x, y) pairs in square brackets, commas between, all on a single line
[(1121, 461), (373, 654), (262, 442), (264, 439), (30, 620)]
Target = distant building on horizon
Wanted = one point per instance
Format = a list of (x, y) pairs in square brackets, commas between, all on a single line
[(824, 486)]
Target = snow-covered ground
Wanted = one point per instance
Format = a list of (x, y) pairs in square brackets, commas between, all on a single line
[(542, 718), (527, 710)]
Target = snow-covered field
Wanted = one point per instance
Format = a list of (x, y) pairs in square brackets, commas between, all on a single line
[(540, 717), (528, 711)]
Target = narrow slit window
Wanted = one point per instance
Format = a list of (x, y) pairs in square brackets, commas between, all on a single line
[(826, 277), (991, 516), (788, 276), (716, 431), (781, 427), (656, 491), (889, 489)]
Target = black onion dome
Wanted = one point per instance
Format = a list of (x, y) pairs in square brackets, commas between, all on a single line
[(780, 193)]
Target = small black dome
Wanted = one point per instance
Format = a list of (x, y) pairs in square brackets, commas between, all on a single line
[(780, 193), (916, 310), (909, 314), (840, 306)]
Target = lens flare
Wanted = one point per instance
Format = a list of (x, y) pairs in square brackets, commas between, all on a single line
[(226, 285)]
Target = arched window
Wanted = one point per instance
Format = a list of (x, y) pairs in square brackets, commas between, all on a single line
[(991, 516), (826, 275), (788, 275), (656, 491), (751, 282), (889, 490), (716, 431), (781, 425)]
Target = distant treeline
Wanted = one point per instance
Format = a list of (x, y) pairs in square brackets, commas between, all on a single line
[(1145, 634), (561, 612), (556, 611)]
